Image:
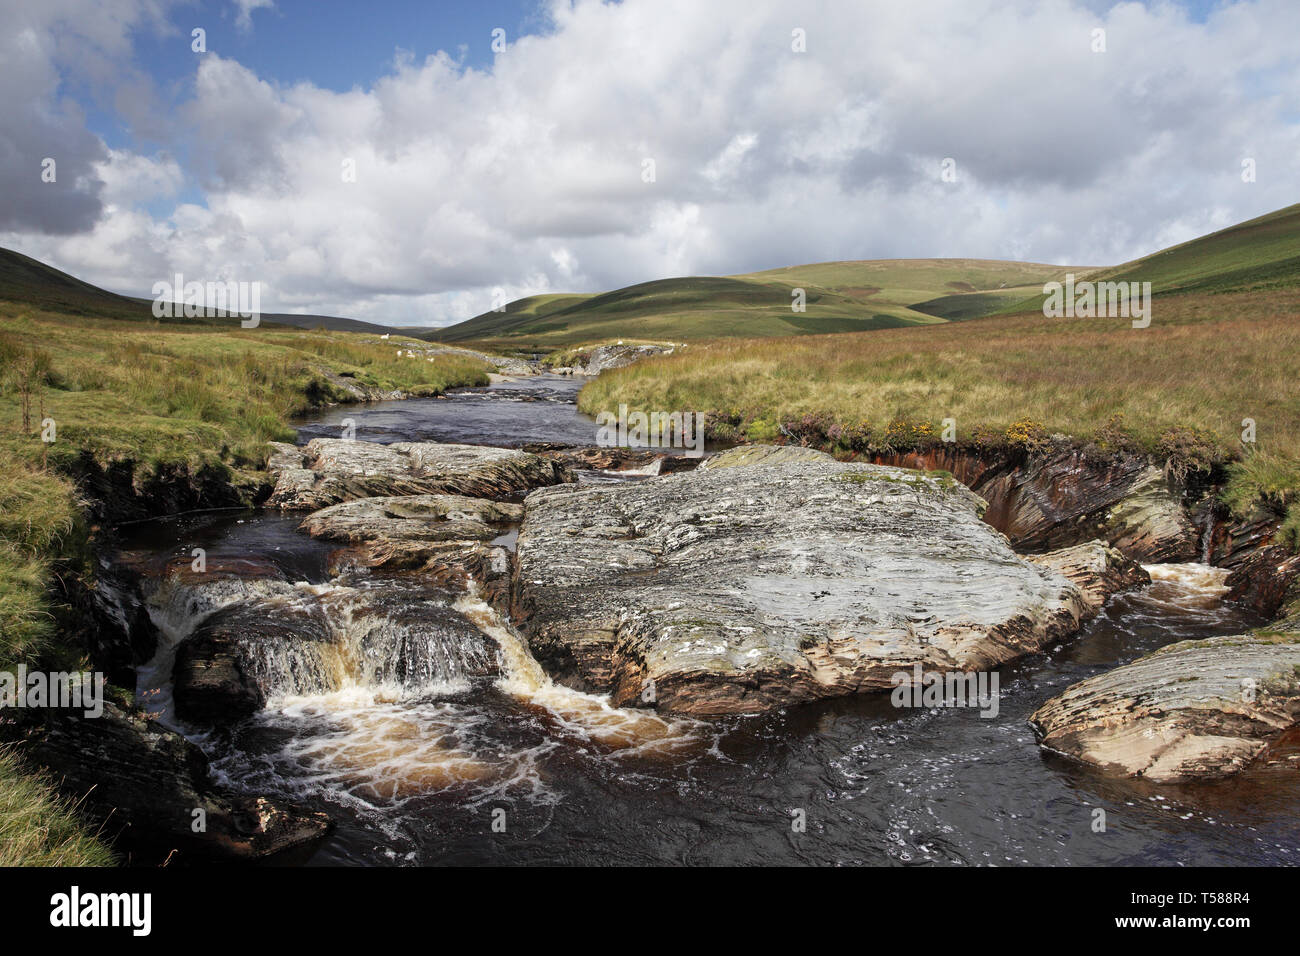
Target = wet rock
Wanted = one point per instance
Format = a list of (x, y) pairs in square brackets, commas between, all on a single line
[(1148, 521), (1195, 710), (738, 589), (303, 639), (1065, 495), (333, 470), (1266, 580), (144, 784), (447, 538), (623, 460), (1097, 569), (225, 669)]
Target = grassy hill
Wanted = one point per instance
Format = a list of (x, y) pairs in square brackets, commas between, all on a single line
[(29, 281), (857, 296), (839, 297), (1256, 255)]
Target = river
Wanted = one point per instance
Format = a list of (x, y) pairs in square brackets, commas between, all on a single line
[(516, 770)]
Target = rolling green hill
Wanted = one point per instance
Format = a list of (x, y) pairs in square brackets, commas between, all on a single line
[(31, 282), (839, 297), (1260, 254), (1257, 255)]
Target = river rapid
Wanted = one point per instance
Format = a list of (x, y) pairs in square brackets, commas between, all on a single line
[(515, 769)]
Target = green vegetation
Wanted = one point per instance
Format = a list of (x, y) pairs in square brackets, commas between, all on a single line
[(46, 289), (156, 398), (1258, 255), (839, 297), (38, 828)]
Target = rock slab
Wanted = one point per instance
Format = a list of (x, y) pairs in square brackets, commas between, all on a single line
[(739, 589), (1195, 710), (327, 471)]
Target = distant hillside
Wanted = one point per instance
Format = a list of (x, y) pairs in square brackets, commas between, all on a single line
[(29, 281), (1256, 255), (839, 297)]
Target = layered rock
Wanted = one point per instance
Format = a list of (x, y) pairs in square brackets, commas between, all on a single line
[(305, 639), (738, 589), (145, 783), (328, 471), (1064, 495), (1097, 569), (448, 539), (743, 455), (1194, 710)]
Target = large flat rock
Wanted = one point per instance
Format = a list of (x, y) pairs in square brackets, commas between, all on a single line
[(738, 589), (327, 471), (1194, 710)]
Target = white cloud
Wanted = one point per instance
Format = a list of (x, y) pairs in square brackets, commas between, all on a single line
[(528, 177), (244, 11)]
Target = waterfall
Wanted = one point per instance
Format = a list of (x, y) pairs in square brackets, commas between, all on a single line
[(396, 638), (1207, 537)]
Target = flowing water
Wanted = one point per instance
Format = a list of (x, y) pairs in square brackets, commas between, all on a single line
[(508, 768)]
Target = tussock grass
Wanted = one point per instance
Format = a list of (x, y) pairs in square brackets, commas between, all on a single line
[(39, 828)]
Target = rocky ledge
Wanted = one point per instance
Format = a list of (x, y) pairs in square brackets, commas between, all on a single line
[(327, 471), (255, 639), (1194, 710), (606, 357), (151, 786), (745, 586)]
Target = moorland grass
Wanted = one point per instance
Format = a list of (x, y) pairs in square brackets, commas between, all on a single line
[(39, 828)]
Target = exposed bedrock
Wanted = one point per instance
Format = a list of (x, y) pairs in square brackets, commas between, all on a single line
[(745, 586), (243, 643), (145, 783), (1195, 710), (606, 357), (1066, 496), (328, 471)]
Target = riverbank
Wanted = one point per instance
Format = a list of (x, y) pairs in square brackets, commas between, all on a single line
[(142, 419), (1209, 371)]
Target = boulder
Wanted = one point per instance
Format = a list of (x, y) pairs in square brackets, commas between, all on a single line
[(333, 470), (1195, 710), (421, 518), (447, 538), (1063, 495), (743, 455), (743, 588), (606, 357)]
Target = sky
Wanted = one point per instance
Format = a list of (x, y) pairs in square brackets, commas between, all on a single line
[(412, 163)]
